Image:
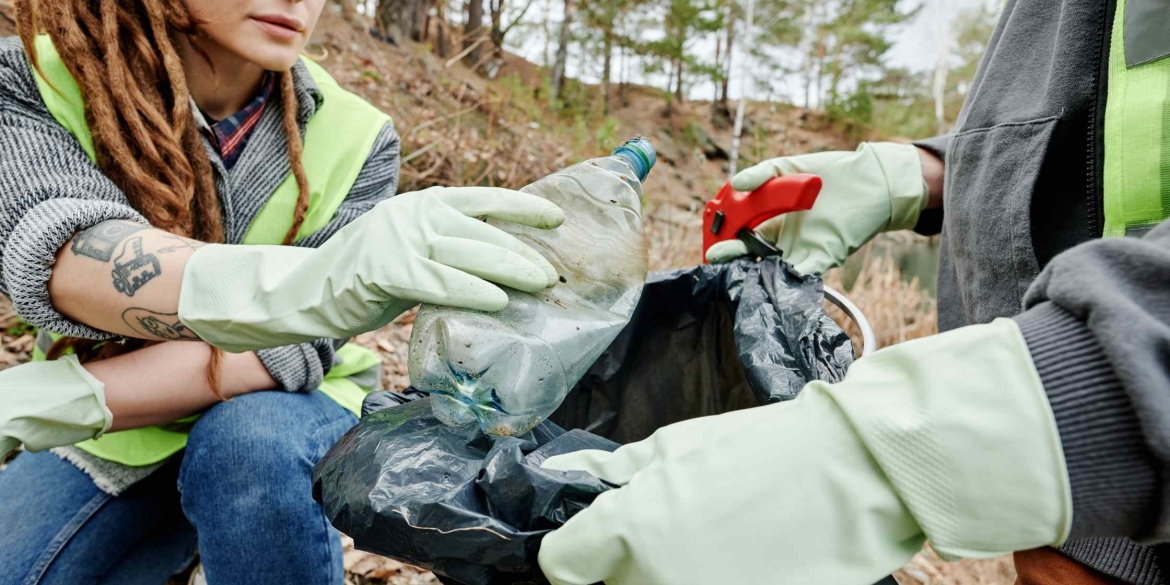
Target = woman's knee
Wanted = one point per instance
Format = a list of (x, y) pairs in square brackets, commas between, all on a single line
[(259, 449), (247, 471)]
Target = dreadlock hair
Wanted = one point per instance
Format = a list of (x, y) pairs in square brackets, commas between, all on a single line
[(137, 105)]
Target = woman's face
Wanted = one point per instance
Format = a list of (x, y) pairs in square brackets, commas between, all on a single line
[(269, 33)]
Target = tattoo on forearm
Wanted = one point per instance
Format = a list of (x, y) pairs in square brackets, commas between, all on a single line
[(100, 241), (133, 268), (183, 244), (157, 325)]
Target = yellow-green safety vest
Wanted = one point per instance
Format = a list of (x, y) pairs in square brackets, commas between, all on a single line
[(1137, 139), (337, 142)]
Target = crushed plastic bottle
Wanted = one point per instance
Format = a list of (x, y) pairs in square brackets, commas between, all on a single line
[(509, 370)]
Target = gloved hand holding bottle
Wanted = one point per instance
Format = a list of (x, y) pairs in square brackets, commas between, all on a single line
[(423, 246), (426, 246), (949, 438), (882, 186), (417, 247)]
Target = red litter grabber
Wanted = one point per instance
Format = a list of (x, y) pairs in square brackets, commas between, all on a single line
[(736, 214)]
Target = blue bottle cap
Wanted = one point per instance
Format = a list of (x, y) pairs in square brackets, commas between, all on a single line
[(639, 154)]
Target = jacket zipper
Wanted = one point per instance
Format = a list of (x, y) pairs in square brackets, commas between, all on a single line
[(1095, 215)]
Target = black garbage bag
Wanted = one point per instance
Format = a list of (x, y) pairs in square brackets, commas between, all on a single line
[(470, 507), (708, 340), (473, 508)]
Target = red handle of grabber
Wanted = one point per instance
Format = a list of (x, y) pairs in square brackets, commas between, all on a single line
[(731, 211)]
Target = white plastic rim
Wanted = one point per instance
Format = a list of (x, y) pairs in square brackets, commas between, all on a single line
[(868, 339)]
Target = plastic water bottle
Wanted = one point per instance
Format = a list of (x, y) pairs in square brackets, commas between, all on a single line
[(509, 370)]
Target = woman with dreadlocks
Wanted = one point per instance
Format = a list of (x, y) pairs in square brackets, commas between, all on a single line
[(175, 181)]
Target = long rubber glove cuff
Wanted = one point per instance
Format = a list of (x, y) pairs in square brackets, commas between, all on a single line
[(902, 168), (950, 437), (966, 435), (243, 298), (50, 404)]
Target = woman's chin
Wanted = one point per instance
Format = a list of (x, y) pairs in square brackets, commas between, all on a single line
[(274, 57), (279, 64)]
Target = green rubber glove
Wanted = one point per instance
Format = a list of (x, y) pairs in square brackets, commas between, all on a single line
[(949, 438), (50, 404), (417, 247), (879, 187)]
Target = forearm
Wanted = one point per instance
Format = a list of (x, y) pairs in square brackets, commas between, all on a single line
[(168, 381), (933, 172), (124, 278)]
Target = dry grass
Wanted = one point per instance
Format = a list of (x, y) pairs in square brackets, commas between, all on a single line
[(927, 569), (897, 309)]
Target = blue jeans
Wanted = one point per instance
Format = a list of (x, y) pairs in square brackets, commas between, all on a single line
[(241, 494)]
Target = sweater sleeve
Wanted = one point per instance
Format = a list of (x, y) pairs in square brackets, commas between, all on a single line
[(1097, 324), (49, 190), (377, 181), (302, 367)]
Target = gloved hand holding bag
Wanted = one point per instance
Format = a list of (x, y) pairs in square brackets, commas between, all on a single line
[(877, 188)]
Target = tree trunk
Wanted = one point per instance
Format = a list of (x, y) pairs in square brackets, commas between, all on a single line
[(424, 17), (820, 97), (807, 45), (678, 81), (719, 68), (546, 54), (497, 32), (444, 43), (939, 86), (669, 91), (605, 67), (400, 18), (838, 72), (622, 85), (727, 65), (471, 31), (808, 75), (558, 71)]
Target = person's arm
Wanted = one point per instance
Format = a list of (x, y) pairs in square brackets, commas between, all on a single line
[(986, 439), (302, 367), (933, 172), (50, 190), (166, 382), (930, 151), (60, 402), (123, 277)]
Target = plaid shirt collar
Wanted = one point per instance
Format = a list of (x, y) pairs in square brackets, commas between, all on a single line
[(230, 134)]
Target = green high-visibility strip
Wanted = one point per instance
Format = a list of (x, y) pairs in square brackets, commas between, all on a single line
[(1165, 169), (1137, 140)]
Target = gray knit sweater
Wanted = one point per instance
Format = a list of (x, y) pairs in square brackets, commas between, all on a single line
[(49, 190)]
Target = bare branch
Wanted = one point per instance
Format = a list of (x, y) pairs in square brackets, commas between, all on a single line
[(518, 17)]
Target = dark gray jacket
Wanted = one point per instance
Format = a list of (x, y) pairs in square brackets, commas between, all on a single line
[(1020, 238)]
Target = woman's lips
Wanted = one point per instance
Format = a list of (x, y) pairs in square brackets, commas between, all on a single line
[(280, 27)]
